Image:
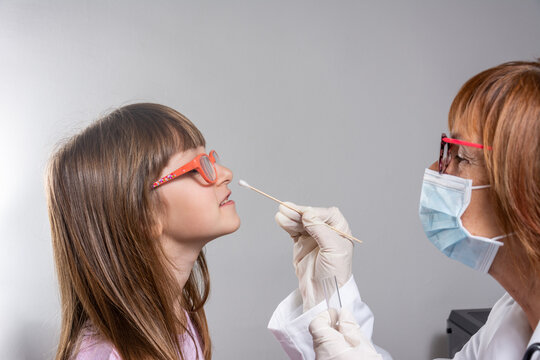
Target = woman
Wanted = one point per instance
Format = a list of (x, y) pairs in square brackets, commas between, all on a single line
[(480, 205), (133, 199)]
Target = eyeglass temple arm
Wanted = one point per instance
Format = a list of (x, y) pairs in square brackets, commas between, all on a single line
[(466, 143)]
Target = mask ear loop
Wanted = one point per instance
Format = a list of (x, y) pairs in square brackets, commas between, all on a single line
[(496, 238), (502, 237), (480, 187)]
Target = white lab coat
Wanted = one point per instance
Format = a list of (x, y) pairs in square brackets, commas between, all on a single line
[(505, 336), (289, 323)]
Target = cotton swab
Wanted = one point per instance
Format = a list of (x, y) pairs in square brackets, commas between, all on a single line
[(245, 184)]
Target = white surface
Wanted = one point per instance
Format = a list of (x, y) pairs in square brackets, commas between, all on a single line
[(322, 102)]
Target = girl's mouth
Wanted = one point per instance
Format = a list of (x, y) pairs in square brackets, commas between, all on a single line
[(226, 201)]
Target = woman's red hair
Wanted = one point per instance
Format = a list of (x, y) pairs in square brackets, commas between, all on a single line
[(501, 105)]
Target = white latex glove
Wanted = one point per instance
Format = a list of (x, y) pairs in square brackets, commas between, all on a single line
[(346, 343), (319, 252)]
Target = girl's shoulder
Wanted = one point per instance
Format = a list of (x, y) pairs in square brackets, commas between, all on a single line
[(93, 347)]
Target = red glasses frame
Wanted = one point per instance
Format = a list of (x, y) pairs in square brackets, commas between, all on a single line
[(446, 146), (195, 164)]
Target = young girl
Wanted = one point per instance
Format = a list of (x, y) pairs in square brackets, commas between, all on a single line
[(132, 201)]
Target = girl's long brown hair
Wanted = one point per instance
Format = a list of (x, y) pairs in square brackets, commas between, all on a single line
[(111, 270), (502, 106)]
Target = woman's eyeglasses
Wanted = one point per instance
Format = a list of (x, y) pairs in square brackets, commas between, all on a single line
[(445, 156), (203, 164)]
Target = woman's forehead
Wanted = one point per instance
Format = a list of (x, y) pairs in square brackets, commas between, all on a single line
[(464, 128)]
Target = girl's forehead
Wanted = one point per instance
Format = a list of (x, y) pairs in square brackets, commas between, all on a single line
[(188, 154)]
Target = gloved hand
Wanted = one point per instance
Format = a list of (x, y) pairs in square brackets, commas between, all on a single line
[(318, 252), (346, 343)]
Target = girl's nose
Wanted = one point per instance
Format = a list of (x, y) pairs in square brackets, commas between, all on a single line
[(224, 174)]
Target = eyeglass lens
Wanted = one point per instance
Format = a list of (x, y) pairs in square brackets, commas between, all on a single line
[(445, 155), (208, 168), (216, 157)]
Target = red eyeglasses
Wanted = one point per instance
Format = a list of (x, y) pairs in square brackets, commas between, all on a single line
[(445, 155), (203, 164)]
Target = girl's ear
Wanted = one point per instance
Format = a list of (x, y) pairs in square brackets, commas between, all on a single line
[(157, 216), (158, 228)]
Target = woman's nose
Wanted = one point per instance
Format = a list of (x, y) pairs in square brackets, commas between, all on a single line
[(434, 166)]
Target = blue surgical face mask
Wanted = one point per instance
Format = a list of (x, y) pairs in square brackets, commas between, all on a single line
[(443, 200)]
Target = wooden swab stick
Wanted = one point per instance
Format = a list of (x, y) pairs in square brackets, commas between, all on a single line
[(345, 235)]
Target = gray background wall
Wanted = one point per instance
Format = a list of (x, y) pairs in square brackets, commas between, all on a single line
[(317, 102)]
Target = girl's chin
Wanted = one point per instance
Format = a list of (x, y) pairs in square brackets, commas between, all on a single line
[(234, 227), (226, 231)]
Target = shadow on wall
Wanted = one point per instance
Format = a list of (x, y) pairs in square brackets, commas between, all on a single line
[(35, 341), (438, 347)]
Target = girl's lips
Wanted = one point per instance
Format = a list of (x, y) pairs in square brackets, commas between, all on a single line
[(228, 202)]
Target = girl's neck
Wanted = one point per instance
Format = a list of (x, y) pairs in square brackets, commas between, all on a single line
[(182, 257)]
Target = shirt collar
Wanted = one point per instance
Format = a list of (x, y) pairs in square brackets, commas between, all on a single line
[(535, 336)]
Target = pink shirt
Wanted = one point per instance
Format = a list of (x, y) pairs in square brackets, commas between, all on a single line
[(93, 348)]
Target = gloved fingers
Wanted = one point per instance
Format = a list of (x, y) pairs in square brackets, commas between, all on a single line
[(303, 246), (328, 239), (291, 214), (349, 328), (301, 208), (328, 343), (290, 220), (321, 325), (334, 262), (292, 227), (331, 216), (352, 332)]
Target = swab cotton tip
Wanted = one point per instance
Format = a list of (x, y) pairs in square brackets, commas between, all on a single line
[(243, 183)]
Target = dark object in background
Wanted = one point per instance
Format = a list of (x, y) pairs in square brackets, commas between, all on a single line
[(461, 325)]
